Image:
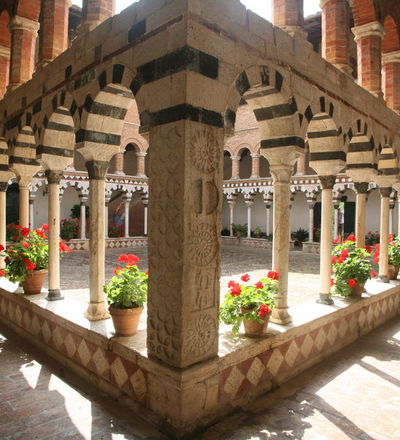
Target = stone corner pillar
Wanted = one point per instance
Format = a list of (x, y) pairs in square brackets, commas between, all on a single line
[(327, 183), (53, 180), (369, 56), (97, 309)]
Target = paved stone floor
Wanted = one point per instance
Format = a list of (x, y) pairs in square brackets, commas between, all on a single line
[(303, 276), (355, 394)]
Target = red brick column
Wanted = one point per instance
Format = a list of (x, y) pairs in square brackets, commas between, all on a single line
[(288, 15), (335, 33), (119, 163), (391, 79), (95, 12), (4, 69), (23, 42), (54, 29), (369, 55)]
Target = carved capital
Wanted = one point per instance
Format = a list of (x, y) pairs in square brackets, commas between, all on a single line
[(141, 154), (53, 176), (5, 52), (97, 169), (391, 57), (25, 24), (373, 29), (385, 192), (361, 187), (3, 186), (327, 182)]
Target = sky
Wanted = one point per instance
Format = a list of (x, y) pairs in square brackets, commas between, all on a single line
[(260, 7)]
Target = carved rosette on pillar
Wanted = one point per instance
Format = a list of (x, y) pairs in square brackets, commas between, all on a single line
[(327, 183), (184, 241)]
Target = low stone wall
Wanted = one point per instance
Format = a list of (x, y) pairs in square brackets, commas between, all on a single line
[(311, 248), (111, 243), (259, 243), (182, 401)]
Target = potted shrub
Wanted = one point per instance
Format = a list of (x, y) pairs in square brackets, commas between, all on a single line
[(257, 232), (126, 294), (250, 303), (299, 237), (351, 268), (69, 228), (115, 231), (393, 254), (27, 260)]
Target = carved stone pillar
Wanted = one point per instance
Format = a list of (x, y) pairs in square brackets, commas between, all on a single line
[(231, 203), (82, 219), (54, 29), (335, 33), (141, 162), (336, 212), (249, 203), (3, 191), (327, 183), (127, 203), (235, 167), (255, 166), (391, 79), (184, 242), (369, 55), (361, 201), (384, 233), (4, 69), (23, 186), (23, 43), (53, 182), (97, 307)]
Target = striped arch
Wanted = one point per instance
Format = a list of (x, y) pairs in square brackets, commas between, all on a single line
[(269, 96), (23, 151), (327, 155), (5, 173), (388, 164), (362, 155), (56, 149), (103, 114), (81, 187)]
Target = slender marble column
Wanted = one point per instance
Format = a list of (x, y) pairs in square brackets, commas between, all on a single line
[(97, 306), (3, 191), (24, 204), (361, 201), (231, 204), (145, 201), (127, 204), (235, 167), (53, 180), (267, 219), (336, 211), (82, 220), (311, 205), (391, 218), (106, 202), (255, 166), (249, 204), (327, 183), (398, 216), (384, 233), (31, 203)]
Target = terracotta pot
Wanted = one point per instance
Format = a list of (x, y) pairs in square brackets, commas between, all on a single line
[(393, 271), (125, 321), (357, 291), (33, 282), (254, 328)]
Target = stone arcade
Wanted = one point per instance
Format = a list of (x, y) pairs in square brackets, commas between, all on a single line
[(188, 65)]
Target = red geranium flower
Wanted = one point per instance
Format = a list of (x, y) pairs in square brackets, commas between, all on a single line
[(17, 227), (2, 273), (245, 277), (40, 233), (336, 240), (64, 247), (236, 290), (1, 247), (147, 272), (259, 285), (352, 282), (29, 264), (263, 310), (130, 259), (344, 254), (26, 245), (332, 282), (351, 237), (231, 283), (117, 270), (45, 227), (368, 249), (334, 260), (25, 232), (273, 275), (374, 274), (15, 237)]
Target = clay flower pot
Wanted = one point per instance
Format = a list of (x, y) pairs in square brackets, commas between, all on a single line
[(255, 328), (357, 291), (33, 282), (125, 321), (393, 271)]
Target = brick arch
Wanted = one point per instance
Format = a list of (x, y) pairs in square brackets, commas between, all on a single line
[(364, 11), (391, 40), (5, 36), (28, 9)]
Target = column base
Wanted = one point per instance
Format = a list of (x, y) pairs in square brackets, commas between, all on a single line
[(97, 311), (254, 177), (142, 176), (383, 279), (281, 316), (325, 298), (54, 295)]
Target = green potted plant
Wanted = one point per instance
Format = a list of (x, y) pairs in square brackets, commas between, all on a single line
[(250, 303), (351, 268), (394, 257), (27, 260), (69, 228), (126, 295), (299, 237), (257, 232)]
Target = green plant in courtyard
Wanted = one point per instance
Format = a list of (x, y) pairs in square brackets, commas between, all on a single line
[(300, 235), (69, 228), (394, 251), (251, 301), (239, 231), (128, 287)]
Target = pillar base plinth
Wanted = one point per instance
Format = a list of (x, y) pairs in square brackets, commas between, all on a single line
[(383, 279), (97, 312), (142, 176), (54, 295), (280, 316), (325, 298)]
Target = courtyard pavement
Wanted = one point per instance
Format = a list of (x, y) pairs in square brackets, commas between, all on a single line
[(353, 395)]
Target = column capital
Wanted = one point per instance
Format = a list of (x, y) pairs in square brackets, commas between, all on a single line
[(235, 157), (249, 202), (141, 154), (361, 187), (97, 169), (373, 29), (327, 182), (385, 192), (255, 155), (311, 203), (22, 23), (54, 176), (391, 57), (5, 52)]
